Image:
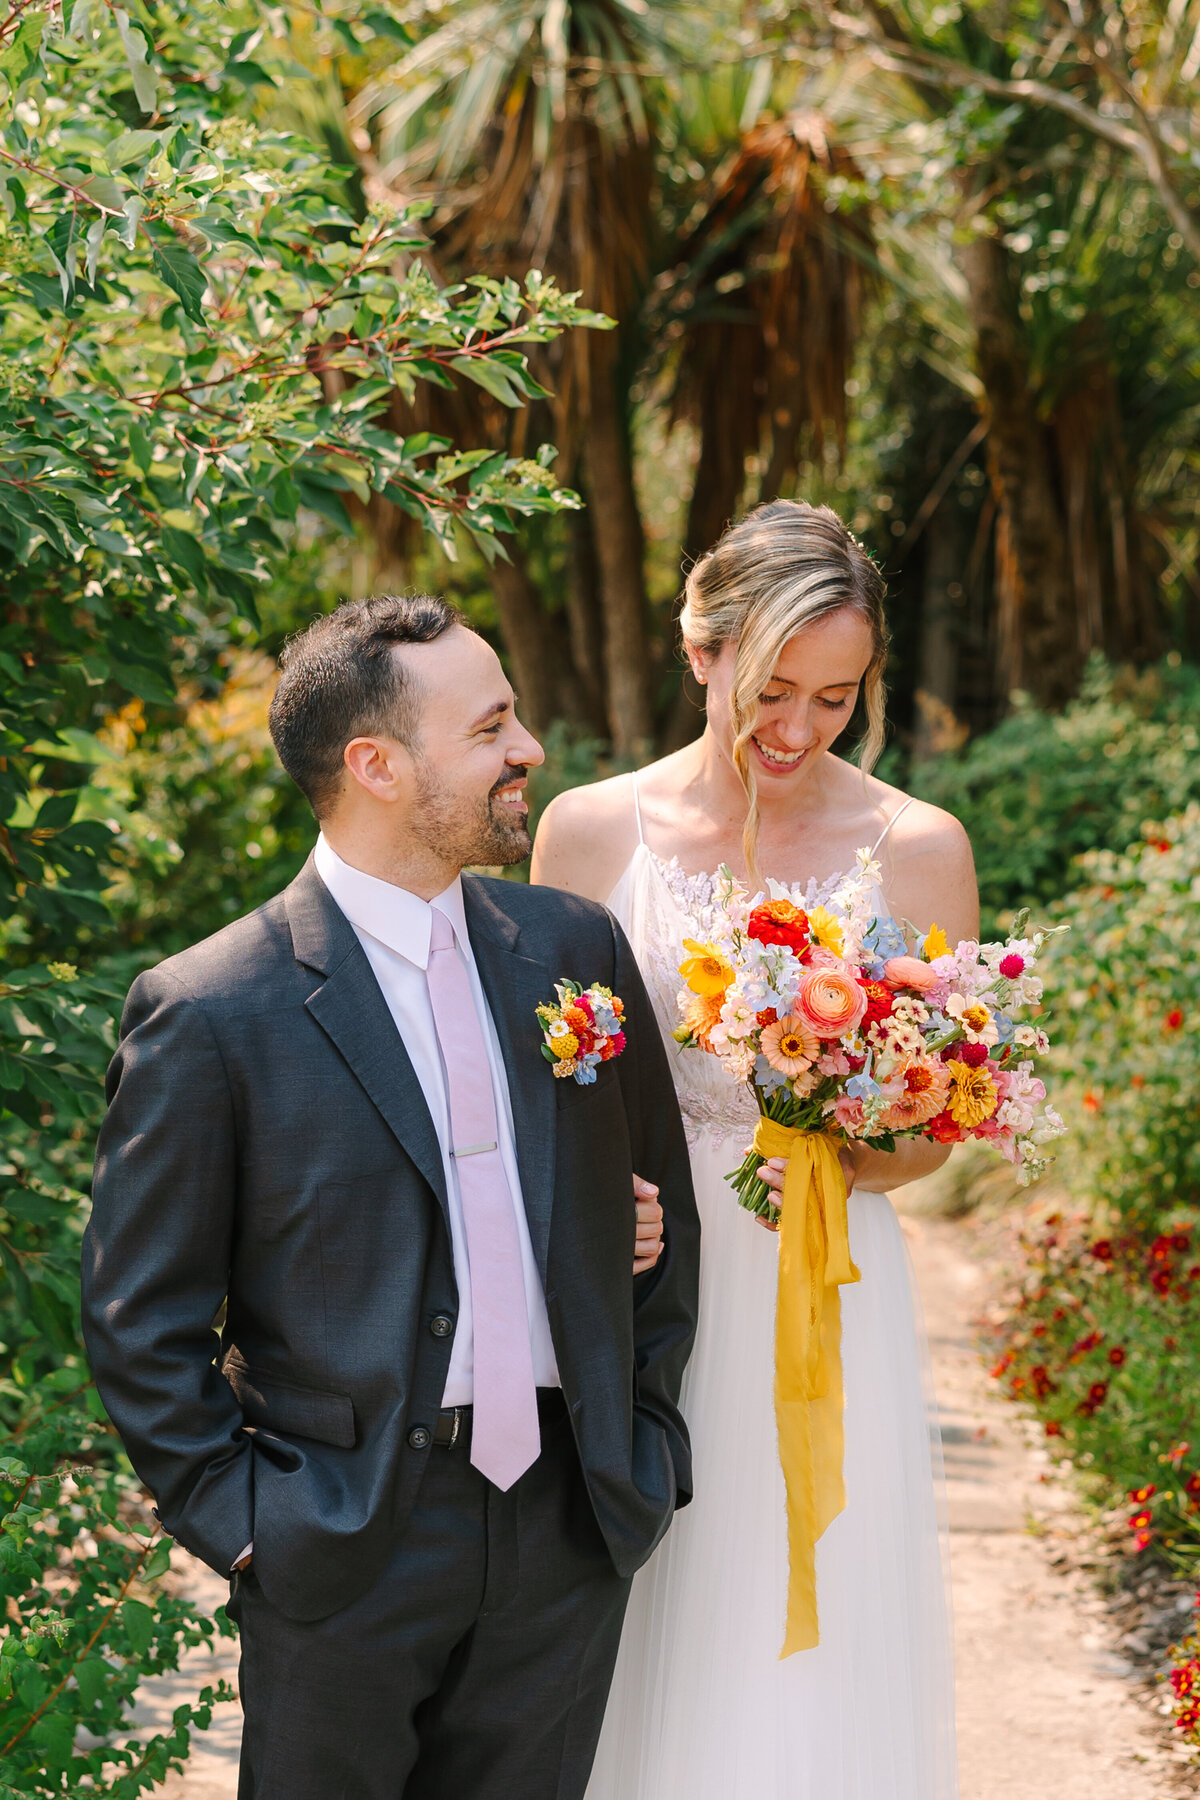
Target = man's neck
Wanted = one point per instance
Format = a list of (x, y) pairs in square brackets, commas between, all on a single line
[(409, 866)]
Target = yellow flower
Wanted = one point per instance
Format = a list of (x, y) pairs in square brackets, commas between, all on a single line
[(973, 1096), (936, 943), (563, 1041), (705, 971), (826, 930), (564, 1068)]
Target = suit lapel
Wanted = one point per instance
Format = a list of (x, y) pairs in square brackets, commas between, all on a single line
[(352, 1012), (515, 986)]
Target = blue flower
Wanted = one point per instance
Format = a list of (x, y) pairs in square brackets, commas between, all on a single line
[(768, 1079), (886, 939), (863, 1087), (1004, 1027), (585, 1068)]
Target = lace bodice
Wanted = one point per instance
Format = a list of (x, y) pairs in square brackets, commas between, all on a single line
[(658, 905)]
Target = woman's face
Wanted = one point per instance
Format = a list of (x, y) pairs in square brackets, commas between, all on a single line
[(806, 704)]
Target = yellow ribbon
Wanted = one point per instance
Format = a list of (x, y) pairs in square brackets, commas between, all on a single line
[(814, 1261)]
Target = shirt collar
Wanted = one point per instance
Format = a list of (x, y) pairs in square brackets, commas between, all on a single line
[(396, 917)]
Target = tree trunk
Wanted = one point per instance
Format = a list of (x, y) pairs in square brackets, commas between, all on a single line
[(936, 693), (1039, 633), (617, 530), (585, 627), (534, 639)]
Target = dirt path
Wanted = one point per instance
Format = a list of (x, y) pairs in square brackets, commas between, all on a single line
[(1048, 1709)]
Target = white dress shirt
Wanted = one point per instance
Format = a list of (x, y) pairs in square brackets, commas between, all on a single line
[(393, 926)]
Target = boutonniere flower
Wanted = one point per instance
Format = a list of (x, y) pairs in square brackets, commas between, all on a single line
[(582, 1031)]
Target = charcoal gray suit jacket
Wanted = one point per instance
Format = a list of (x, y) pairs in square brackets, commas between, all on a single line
[(267, 1145)]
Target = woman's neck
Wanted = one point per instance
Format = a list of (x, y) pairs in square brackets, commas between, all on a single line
[(715, 787)]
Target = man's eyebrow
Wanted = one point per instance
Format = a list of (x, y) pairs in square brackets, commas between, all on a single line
[(497, 706)]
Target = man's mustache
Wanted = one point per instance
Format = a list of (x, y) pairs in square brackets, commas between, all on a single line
[(507, 779)]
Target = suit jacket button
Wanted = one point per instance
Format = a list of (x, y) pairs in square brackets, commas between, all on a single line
[(420, 1438), (441, 1326)]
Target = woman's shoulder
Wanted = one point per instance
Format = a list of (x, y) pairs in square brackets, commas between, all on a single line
[(929, 871), (585, 837)]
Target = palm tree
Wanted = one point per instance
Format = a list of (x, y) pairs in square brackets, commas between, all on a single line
[(531, 126)]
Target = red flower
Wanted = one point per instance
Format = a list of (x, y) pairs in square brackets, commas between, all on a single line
[(779, 922), (1012, 965), (1160, 1281), (1084, 1346), (1174, 1019), (1192, 1486), (1005, 1363), (1053, 1428), (880, 1002), (1194, 1272), (1140, 1495), (1160, 1249), (943, 1130), (1138, 1521), (1102, 1250), (1097, 1393), (1116, 1356), (974, 1055), (1091, 1102), (1042, 1384), (1170, 1344), (1181, 1241), (768, 1016), (1142, 1540)]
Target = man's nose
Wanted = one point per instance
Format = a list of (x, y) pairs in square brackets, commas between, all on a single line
[(526, 749)]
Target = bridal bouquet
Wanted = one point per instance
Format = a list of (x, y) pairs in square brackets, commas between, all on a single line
[(839, 1029), (844, 1033)]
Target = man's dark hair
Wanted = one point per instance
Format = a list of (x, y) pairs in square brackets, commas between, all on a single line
[(339, 680)]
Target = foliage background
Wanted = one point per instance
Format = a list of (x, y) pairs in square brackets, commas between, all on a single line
[(268, 337)]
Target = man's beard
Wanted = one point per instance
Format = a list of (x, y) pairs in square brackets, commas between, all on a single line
[(470, 832)]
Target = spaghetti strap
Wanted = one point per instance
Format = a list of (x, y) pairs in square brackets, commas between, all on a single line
[(888, 826), (637, 806)]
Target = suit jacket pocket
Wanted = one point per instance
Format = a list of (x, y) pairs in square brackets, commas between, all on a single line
[(571, 1092), (268, 1400)]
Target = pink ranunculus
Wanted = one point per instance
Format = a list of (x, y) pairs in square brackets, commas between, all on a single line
[(829, 1001), (910, 972), (818, 957), (849, 1114)]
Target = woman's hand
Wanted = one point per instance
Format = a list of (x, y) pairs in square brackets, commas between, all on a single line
[(772, 1173), (649, 1239)]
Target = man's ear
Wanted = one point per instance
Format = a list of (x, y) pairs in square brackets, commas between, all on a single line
[(382, 767)]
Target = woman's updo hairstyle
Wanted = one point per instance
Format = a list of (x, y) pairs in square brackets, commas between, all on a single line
[(779, 570)]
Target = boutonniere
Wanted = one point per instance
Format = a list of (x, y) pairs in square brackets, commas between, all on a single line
[(582, 1031)]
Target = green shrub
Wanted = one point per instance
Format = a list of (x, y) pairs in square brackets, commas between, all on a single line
[(1042, 789), (1123, 985)]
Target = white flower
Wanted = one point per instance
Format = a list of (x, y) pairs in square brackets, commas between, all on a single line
[(974, 1017)]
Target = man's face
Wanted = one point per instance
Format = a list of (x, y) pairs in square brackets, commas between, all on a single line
[(471, 756)]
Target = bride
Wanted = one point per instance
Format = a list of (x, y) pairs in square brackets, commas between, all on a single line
[(783, 625)]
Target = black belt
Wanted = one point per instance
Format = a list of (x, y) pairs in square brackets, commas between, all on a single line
[(454, 1422)]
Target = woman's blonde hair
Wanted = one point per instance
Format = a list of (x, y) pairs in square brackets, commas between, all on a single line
[(779, 570)]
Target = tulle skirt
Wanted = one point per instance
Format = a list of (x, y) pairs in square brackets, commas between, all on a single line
[(701, 1706)]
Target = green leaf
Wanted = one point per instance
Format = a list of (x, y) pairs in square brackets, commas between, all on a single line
[(384, 26), (179, 269), (135, 206), (181, 548), (92, 1676), (60, 241), (138, 1620), (145, 82), (140, 448), (131, 147), (19, 56), (490, 376), (159, 1560)]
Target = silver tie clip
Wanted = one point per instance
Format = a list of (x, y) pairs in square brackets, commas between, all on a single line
[(473, 1150)]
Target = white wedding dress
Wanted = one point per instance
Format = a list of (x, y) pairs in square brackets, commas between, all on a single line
[(702, 1708)]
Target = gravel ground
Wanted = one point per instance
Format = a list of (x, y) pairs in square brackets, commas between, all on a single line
[(1056, 1696)]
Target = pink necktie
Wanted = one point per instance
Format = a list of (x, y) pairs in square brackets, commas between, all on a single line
[(505, 1437)]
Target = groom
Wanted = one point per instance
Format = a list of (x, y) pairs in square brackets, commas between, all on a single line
[(438, 1431)]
